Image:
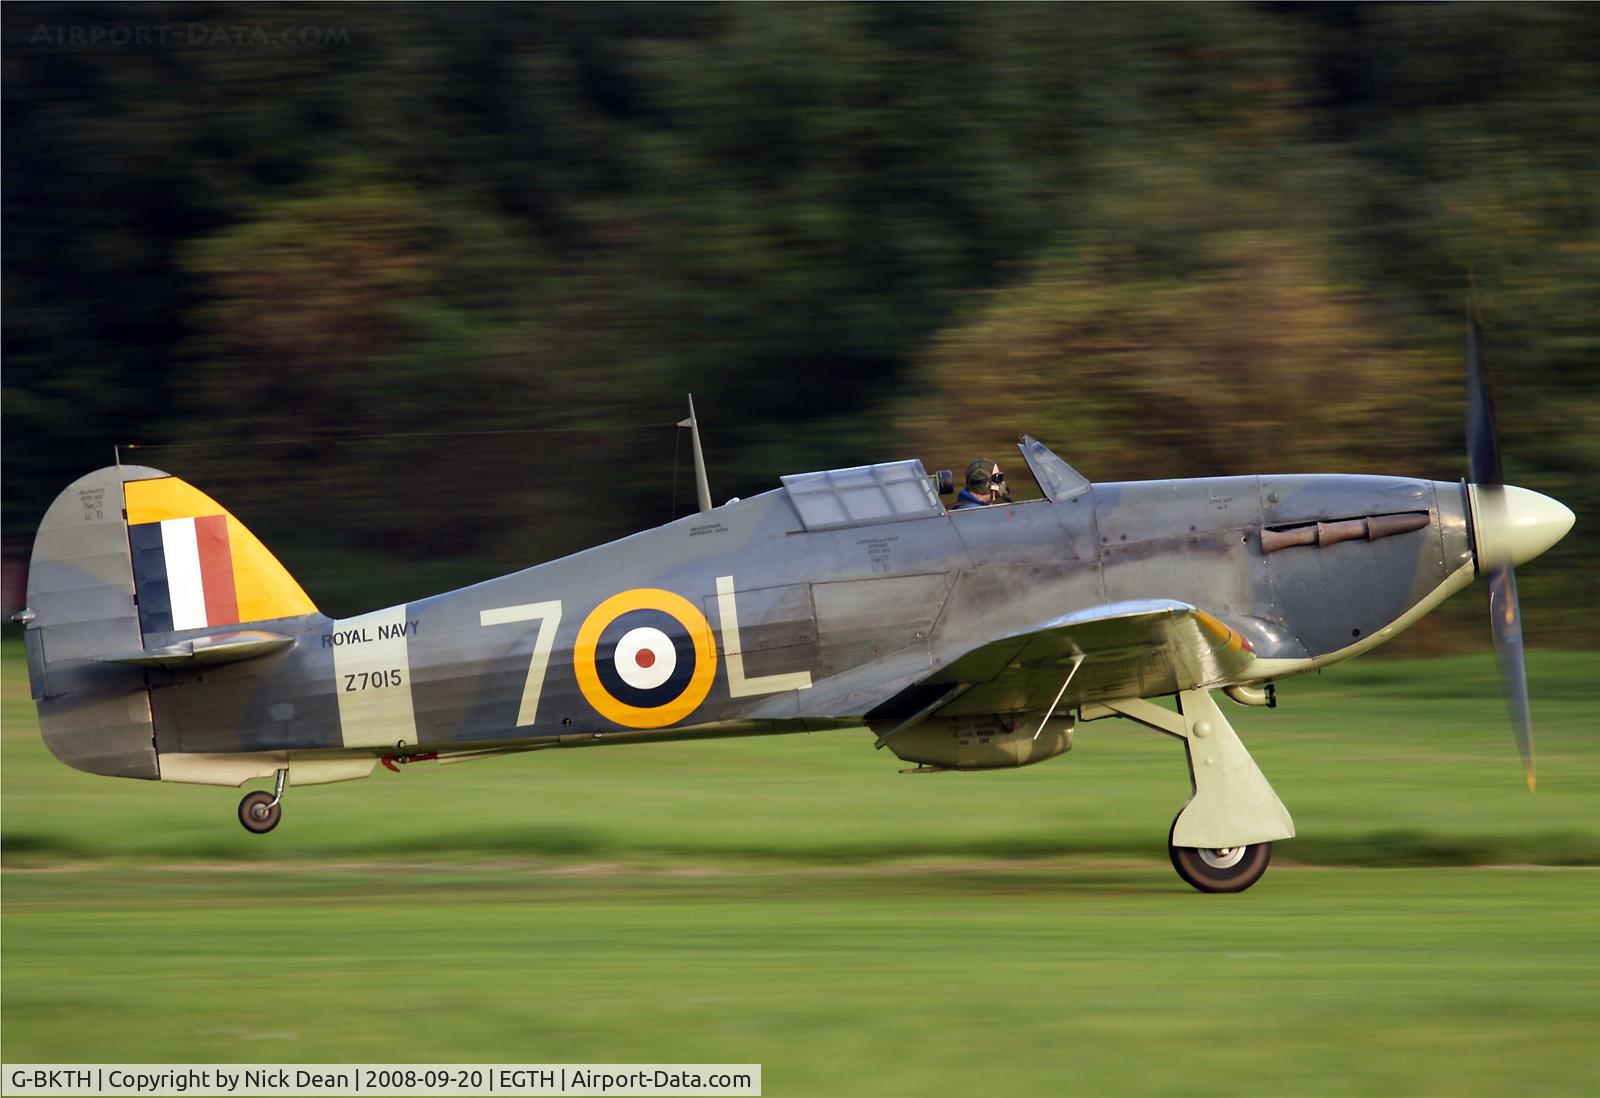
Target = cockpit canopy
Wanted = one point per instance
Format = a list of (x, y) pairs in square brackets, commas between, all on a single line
[(891, 491), (1057, 480), (894, 491)]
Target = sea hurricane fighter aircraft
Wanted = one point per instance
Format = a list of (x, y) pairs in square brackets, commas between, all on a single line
[(165, 642)]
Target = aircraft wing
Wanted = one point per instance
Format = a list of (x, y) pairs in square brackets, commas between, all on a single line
[(1139, 648)]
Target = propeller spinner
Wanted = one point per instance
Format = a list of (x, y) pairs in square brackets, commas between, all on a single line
[(1510, 525)]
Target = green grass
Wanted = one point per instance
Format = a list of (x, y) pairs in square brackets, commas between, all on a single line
[(1060, 979), (794, 902)]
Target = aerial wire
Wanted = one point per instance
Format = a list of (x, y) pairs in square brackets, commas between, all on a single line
[(380, 437), (677, 444)]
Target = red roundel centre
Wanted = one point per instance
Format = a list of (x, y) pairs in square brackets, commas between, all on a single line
[(645, 658)]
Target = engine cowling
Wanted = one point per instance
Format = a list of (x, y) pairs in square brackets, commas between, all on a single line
[(983, 743)]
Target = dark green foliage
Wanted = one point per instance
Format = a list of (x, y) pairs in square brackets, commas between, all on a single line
[(854, 231)]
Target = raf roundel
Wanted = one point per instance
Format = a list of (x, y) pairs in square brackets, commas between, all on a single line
[(645, 658)]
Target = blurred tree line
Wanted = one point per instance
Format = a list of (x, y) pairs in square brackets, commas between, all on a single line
[(420, 301)]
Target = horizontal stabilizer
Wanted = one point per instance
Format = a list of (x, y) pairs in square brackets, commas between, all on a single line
[(205, 651)]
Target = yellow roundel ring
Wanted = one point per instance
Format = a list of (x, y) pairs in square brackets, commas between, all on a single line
[(586, 658)]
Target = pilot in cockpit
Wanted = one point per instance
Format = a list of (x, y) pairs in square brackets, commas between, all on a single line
[(986, 484)]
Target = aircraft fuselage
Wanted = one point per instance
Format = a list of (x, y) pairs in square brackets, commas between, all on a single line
[(829, 624)]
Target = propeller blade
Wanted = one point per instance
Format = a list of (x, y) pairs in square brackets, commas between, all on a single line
[(1483, 440), (1485, 471), (1505, 618)]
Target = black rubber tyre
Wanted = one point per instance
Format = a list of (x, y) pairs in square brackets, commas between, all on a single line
[(1232, 870), (258, 813)]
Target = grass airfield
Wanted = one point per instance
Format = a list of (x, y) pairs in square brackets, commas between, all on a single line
[(1056, 979), (794, 902)]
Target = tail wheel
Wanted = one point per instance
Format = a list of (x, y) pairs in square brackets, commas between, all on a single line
[(1230, 869), (260, 811)]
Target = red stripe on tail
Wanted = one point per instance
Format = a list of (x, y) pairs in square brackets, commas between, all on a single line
[(216, 569)]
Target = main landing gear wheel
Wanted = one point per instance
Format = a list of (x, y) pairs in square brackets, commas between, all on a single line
[(260, 812), (1231, 869)]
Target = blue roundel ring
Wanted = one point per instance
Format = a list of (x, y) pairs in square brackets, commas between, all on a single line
[(614, 675), (645, 658)]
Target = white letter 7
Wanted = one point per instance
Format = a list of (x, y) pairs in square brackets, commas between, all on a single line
[(548, 614)]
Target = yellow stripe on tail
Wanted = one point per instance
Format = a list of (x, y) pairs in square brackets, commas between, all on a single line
[(265, 589)]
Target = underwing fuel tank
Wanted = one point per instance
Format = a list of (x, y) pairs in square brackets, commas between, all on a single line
[(984, 742)]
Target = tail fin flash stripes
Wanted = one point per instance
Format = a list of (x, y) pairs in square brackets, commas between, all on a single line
[(150, 578), (196, 566), (214, 549), (183, 571)]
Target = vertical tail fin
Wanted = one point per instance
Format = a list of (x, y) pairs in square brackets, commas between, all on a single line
[(125, 558), (195, 566)]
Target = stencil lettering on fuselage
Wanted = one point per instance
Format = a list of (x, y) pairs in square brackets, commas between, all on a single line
[(372, 678)]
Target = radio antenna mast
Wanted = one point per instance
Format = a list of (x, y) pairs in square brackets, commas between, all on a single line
[(701, 486)]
